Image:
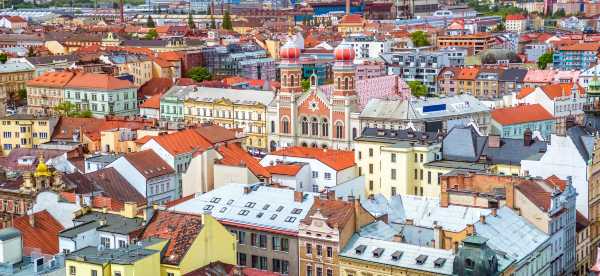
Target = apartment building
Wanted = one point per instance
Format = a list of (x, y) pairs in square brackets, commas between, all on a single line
[(25, 131), (47, 91), (474, 43)]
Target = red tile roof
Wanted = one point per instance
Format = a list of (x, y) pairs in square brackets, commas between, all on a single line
[(581, 47), (223, 269), (525, 91), (352, 19), (285, 169), (216, 134), (539, 196), (113, 185), (152, 103), (521, 114), (98, 81), (515, 17), (149, 164), (43, 234), (155, 86), (337, 212), (178, 201), (171, 56), (52, 79), (468, 73), (557, 90), (97, 201), (557, 182), (183, 141), (336, 159), (234, 155), (91, 127), (181, 230)]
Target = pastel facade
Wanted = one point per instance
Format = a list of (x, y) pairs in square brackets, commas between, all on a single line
[(25, 131)]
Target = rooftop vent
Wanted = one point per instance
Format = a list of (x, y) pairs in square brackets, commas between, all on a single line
[(360, 249), (396, 255), (378, 252), (439, 262), (421, 259)]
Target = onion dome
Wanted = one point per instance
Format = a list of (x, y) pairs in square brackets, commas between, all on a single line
[(344, 53), (289, 52)]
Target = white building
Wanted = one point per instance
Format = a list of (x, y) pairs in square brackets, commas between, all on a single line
[(328, 167), (295, 175), (367, 47)]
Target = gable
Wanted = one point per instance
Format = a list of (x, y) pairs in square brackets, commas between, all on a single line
[(314, 104)]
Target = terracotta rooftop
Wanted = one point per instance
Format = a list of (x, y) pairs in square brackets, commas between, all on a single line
[(524, 92), (98, 81), (180, 229), (285, 169), (216, 134), (558, 90), (234, 155), (581, 47), (52, 79), (537, 194), (183, 141), (152, 103), (557, 182), (155, 86), (113, 185), (223, 269), (43, 234), (352, 19), (521, 114), (336, 159), (515, 17), (97, 201), (149, 164), (337, 212), (467, 73)]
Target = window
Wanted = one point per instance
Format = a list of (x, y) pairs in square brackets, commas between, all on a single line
[(339, 130), (263, 263), (243, 212), (272, 126), (276, 243), (319, 271), (262, 241), (215, 200), (421, 174), (308, 248), (117, 273), (370, 185), (94, 272), (428, 177), (281, 266), (105, 242), (329, 252), (253, 239), (370, 152), (290, 219), (393, 191), (314, 128), (250, 204), (469, 264), (421, 158), (242, 259), (393, 174), (72, 270), (324, 127), (304, 126), (122, 243), (319, 250), (285, 245), (241, 237), (279, 208), (370, 168), (327, 176), (393, 158), (254, 261), (329, 272), (296, 211), (416, 174), (286, 125), (309, 271), (315, 174)]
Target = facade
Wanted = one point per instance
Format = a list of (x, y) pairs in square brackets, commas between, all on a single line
[(137, 65), (516, 23), (486, 83), (14, 74), (392, 161), (474, 43), (233, 109), (265, 220), (102, 95), (423, 65), (579, 56), (243, 60), (594, 201), (47, 91), (367, 47), (25, 131), (513, 122), (333, 120)]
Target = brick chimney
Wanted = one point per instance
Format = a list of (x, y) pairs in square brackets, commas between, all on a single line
[(298, 196), (247, 189), (482, 219), (528, 137), (494, 212)]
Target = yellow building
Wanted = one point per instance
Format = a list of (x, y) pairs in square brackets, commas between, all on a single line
[(230, 108), (189, 242), (25, 131), (393, 162), (351, 24), (13, 76), (125, 261)]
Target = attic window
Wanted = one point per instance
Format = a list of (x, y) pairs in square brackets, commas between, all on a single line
[(273, 217), (208, 207), (223, 210), (266, 206), (230, 202), (250, 204), (396, 255), (243, 212), (279, 208), (290, 219), (360, 249), (421, 259), (378, 252), (260, 214), (296, 211), (439, 262), (215, 200)]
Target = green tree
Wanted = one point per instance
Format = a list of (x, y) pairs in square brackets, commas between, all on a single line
[(150, 22), (559, 13), (227, 25), (191, 23), (66, 109), (199, 74), (152, 34), (544, 59), (84, 114), (3, 58), (305, 83), (500, 28), (419, 39), (417, 88), (22, 94)]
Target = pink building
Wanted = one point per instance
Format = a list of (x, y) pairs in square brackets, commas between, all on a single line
[(566, 76), (536, 78), (385, 87), (369, 70)]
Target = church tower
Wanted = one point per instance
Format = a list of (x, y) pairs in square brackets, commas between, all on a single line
[(344, 100), (291, 88)]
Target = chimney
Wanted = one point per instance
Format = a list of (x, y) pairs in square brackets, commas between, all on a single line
[(409, 222), (247, 190), (32, 220), (130, 209), (298, 196), (494, 212), (347, 7), (528, 137), (398, 237), (331, 195), (455, 248), (482, 219)]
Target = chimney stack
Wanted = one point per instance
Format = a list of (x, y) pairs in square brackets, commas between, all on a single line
[(32, 220), (494, 212), (482, 219), (347, 7), (298, 196), (528, 137)]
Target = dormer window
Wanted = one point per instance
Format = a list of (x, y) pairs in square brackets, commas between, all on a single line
[(360, 249), (396, 255), (421, 259), (378, 252)]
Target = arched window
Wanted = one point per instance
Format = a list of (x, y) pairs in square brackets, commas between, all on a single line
[(304, 126), (284, 80), (272, 126), (346, 83), (351, 82), (313, 80), (354, 132), (304, 144), (285, 125), (339, 83), (314, 128), (324, 127), (314, 145), (292, 80), (339, 130)]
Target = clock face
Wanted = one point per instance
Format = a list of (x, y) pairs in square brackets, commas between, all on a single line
[(313, 105)]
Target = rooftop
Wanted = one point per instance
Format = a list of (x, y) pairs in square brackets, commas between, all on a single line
[(149, 164), (123, 255), (335, 159), (521, 114)]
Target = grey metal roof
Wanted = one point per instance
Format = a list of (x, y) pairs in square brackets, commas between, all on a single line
[(211, 94), (513, 75), (113, 223), (407, 258), (15, 66), (583, 140), (123, 255), (510, 234), (352, 188), (378, 230), (393, 136), (78, 229), (9, 233)]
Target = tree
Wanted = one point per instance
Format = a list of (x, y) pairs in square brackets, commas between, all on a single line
[(213, 23), (152, 34), (227, 21), (419, 39), (544, 59), (30, 51), (500, 28), (305, 83), (22, 94), (84, 114), (66, 109), (3, 58), (191, 23), (150, 22), (417, 88), (199, 74), (559, 13)]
